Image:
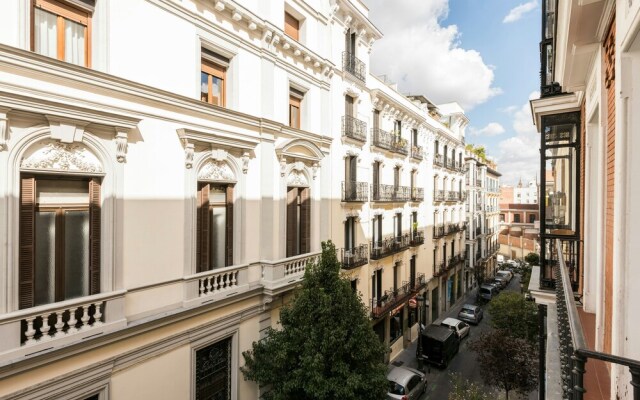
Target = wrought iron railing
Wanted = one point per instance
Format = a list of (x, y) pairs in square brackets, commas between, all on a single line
[(438, 160), (438, 195), (389, 300), (355, 191), (389, 245), (439, 269), (416, 152), (417, 238), (389, 141), (452, 228), (390, 193), (417, 194), (438, 231), (354, 66), (418, 283), (453, 196), (574, 352), (354, 128), (355, 257)]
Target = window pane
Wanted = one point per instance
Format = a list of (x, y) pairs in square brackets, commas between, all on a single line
[(76, 254), (218, 226), (294, 117), (216, 89), (52, 191), (45, 33), (204, 86), (45, 260), (74, 45), (213, 372)]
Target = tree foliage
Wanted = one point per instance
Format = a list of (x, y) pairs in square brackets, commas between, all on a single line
[(513, 314), (463, 389), (532, 258), (506, 363), (326, 348)]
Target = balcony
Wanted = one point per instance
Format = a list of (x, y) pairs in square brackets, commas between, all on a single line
[(572, 351), (355, 192), (463, 225), (417, 238), (453, 196), (356, 257), (389, 300), (279, 275), (438, 160), (354, 66), (438, 231), (438, 195), (452, 228), (479, 182), (416, 152), (418, 284), (390, 193), (53, 325), (354, 128), (478, 207), (389, 141), (478, 231), (440, 269), (450, 164), (216, 284), (417, 194), (389, 245)]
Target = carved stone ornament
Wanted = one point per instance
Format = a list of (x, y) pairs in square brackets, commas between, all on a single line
[(121, 146), (215, 170), (4, 129), (189, 150), (63, 157), (245, 162), (297, 178), (314, 170), (283, 166)]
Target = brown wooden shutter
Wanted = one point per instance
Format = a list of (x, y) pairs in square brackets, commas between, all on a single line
[(27, 242), (203, 228), (229, 228), (305, 221), (292, 221), (291, 26), (94, 235)]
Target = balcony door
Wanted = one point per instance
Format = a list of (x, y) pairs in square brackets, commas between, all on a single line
[(350, 43), (377, 231), (350, 234), (398, 225), (376, 285), (376, 180), (396, 177), (412, 271), (350, 176)]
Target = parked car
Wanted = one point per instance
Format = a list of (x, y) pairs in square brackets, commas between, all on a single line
[(406, 383), (439, 345), (461, 329), (487, 292), (505, 274), (502, 281), (471, 313)]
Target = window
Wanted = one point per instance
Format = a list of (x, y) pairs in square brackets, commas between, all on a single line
[(377, 231), (213, 371), (398, 225), (298, 221), (397, 127), (291, 26), (414, 137), (501, 217), (350, 43), (516, 218), (295, 100), (214, 226), (61, 31), (59, 239), (349, 106), (350, 233), (396, 325), (354, 285), (532, 218), (213, 78)]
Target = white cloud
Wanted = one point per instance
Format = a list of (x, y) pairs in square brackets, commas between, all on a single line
[(519, 11), (424, 57), (519, 156), (492, 129)]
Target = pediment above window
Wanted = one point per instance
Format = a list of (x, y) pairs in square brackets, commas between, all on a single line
[(297, 179), (50, 155), (216, 170)]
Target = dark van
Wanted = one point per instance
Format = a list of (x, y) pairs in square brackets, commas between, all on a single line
[(439, 345)]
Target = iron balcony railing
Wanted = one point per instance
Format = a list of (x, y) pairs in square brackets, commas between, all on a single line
[(417, 238), (389, 300), (355, 191), (389, 245), (389, 141), (478, 182), (354, 128), (452, 228), (438, 231), (438, 195), (417, 194), (418, 283), (390, 193), (354, 66), (438, 160), (453, 196), (439, 269), (574, 352), (463, 225), (416, 152), (450, 164), (355, 257)]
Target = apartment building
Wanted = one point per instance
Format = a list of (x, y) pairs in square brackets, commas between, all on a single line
[(586, 281)]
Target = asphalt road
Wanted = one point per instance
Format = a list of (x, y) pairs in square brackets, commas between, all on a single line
[(464, 363)]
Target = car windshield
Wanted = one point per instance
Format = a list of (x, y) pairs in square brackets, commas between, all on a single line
[(485, 290), (395, 388), (466, 311)]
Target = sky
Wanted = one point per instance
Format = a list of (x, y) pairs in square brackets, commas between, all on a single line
[(482, 54)]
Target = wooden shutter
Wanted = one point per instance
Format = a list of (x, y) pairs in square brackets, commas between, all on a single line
[(228, 237), (27, 243), (203, 220), (94, 235), (291, 26), (292, 221), (305, 221)]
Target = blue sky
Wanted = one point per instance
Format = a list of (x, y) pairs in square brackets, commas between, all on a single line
[(469, 51)]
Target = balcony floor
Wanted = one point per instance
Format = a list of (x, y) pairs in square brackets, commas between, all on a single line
[(597, 380)]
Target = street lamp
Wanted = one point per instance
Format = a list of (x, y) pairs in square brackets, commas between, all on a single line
[(421, 300)]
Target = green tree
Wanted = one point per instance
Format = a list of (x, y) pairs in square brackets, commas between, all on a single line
[(506, 363), (533, 258), (463, 389), (516, 316), (326, 348)]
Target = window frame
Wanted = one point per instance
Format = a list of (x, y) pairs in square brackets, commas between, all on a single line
[(207, 340), (207, 265), (217, 70), (63, 11), (289, 29)]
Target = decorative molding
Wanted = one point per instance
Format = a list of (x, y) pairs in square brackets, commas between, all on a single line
[(314, 170), (58, 156), (121, 145), (66, 130), (283, 165), (297, 178), (216, 170), (4, 128), (245, 162), (189, 150)]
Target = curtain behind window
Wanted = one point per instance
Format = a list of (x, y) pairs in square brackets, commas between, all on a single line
[(46, 32), (74, 45)]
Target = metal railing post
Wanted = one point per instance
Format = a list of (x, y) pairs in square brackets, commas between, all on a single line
[(579, 362), (635, 382)]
